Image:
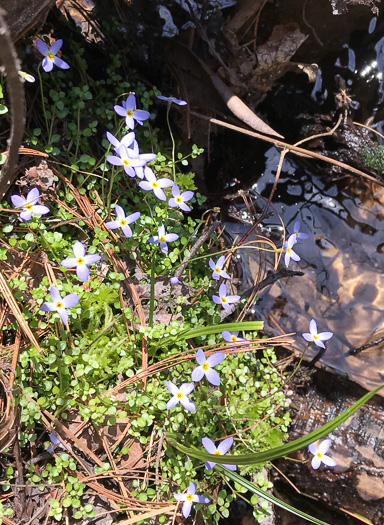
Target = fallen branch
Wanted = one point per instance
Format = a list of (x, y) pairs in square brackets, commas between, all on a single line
[(15, 91), (290, 147)]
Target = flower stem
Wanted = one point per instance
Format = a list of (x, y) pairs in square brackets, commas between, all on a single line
[(173, 143), (42, 98), (152, 299)]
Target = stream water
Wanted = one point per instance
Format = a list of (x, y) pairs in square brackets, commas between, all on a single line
[(343, 260)]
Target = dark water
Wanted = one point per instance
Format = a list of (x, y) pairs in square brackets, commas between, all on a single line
[(343, 260), (343, 264)]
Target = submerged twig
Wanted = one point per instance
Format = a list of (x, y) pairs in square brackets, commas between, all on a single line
[(271, 278), (290, 147), (355, 351)]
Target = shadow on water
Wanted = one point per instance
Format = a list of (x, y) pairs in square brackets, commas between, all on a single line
[(343, 260), (343, 263)]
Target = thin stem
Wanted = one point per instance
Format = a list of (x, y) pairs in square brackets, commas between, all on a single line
[(297, 367), (152, 299), (42, 99), (78, 133), (109, 197), (173, 143)]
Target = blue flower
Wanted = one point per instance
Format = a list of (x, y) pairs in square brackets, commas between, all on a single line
[(224, 299), (174, 280), (50, 55), (27, 76), (289, 253), (163, 238), (319, 456), (59, 304), (155, 185), (56, 443), (299, 234), (123, 221), (146, 157), (231, 337), (128, 140), (80, 261), (29, 205), (222, 449), (172, 99), (218, 268), (205, 367), (179, 395), (314, 337), (179, 199), (190, 497), (129, 111), (127, 159)]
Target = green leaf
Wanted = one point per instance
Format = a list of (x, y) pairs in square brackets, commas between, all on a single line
[(277, 452), (272, 499), (3, 109)]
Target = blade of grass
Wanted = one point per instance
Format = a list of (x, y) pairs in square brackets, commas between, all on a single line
[(255, 326), (283, 450), (269, 497)]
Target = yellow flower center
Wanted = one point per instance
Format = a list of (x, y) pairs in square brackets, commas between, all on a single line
[(217, 453), (217, 269), (223, 299), (162, 238), (179, 395), (189, 497), (289, 250), (123, 222), (80, 260), (59, 305), (126, 162), (50, 56), (319, 455), (315, 337), (28, 206), (233, 339), (129, 113), (154, 184), (178, 200), (205, 366)]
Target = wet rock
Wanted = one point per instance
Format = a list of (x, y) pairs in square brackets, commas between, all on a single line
[(357, 482), (21, 15)]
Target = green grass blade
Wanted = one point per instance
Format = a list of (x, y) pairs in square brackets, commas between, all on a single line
[(269, 497), (283, 450), (254, 326)]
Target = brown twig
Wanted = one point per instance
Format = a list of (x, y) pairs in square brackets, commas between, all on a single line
[(10, 62), (285, 145), (195, 248)]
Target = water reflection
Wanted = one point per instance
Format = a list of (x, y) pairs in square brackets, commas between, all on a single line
[(343, 263)]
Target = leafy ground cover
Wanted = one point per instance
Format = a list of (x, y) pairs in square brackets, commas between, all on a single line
[(129, 379), (88, 250)]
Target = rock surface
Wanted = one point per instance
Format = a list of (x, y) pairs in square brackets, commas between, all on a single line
[(357, 482), (21, 15)]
